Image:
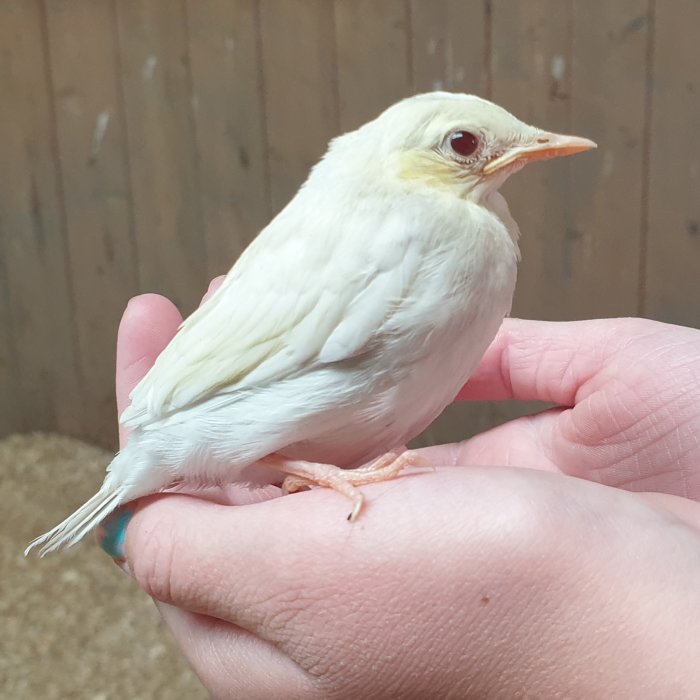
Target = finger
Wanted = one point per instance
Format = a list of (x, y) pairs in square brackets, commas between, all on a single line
[(147, 326), (213, 286), (232, 662), (547, 361), (245, 564)]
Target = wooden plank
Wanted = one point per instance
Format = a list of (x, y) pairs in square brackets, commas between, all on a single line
[(450, 46), (47, 387), (531, 66), (373, 59), (230, 125), (11, 410), (11, 416), (608, 94), (673, 252), (91, 144), (162, 152), (301, 102)]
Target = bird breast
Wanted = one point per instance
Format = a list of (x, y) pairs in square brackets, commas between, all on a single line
[(462, 267)]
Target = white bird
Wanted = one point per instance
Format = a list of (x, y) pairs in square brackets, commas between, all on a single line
[(348, 324)]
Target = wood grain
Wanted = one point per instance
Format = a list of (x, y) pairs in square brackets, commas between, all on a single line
[(92, 149), (608, 96), (11, 412), (230, 125), (163, 157), (144, 143), (301, 99), (531, 65), (44, 387), (373, 58), (673, 253), (449, 46)]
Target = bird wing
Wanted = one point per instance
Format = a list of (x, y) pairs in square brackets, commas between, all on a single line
[(291, 301), (386, 285)]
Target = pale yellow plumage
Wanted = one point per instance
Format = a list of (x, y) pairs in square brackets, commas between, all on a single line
[(263, 336), (351, 321)]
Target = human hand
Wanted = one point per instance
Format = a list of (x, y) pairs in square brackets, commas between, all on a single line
[(628, 397), (473, 582)]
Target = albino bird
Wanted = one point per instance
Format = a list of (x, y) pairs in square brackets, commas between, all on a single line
[(348, 324)]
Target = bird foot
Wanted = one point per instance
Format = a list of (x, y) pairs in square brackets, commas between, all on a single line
[(301, 474)]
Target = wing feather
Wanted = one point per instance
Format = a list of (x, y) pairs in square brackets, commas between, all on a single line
[(291, 301), (370, 310)]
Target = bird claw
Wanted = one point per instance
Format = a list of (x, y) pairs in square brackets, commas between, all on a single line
[(301, 474)]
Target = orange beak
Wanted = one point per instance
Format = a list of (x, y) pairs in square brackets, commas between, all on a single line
[(546, 146)]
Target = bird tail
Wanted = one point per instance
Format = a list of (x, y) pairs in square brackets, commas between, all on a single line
[(77, 525)]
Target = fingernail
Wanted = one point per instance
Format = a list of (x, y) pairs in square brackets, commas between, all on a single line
[(112, 532)]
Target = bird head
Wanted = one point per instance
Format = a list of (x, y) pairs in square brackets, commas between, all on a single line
[(459, 143)]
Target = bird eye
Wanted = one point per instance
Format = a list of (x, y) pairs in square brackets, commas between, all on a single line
[(463, 143)]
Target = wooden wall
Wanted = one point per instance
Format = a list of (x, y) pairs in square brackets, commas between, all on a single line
[(143, 143)]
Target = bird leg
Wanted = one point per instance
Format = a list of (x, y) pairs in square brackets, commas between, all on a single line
[(302, 474)]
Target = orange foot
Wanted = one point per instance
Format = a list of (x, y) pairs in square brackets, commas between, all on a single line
[(302, 474)]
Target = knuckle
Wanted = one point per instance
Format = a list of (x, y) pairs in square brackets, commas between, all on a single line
[(153, 565)]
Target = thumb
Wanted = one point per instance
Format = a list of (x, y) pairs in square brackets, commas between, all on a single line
[(549, 361)]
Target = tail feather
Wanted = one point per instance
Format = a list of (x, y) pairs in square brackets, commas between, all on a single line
[(77, 525)]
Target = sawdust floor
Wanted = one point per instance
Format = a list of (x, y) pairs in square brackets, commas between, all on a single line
[(72, 624)]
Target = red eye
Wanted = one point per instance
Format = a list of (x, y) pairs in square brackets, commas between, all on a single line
[(464, 143)]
